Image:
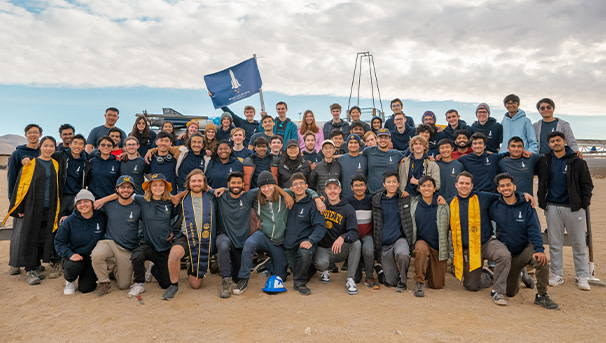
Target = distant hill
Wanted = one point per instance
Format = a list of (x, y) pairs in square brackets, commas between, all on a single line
[(8, 143)]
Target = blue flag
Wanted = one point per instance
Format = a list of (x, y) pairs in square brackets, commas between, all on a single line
[(234, 83)]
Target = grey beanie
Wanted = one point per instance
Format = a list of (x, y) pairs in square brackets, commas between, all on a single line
[(265, 178), (483, 106), (84, 194), (228, 115)]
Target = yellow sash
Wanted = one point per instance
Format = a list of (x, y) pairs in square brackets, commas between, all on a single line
[(474, 232)]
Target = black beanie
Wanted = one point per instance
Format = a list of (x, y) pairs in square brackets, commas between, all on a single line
[(265, 178)]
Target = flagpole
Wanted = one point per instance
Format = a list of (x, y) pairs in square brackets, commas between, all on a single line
[(260, 89)]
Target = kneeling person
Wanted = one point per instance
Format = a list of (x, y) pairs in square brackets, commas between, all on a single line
[(341, 239)]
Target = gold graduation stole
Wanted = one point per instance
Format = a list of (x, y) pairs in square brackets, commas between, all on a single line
[(474, 233)]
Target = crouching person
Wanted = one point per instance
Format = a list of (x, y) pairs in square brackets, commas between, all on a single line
[(392, 231), (75, 240), (430, 223), (341, 239)]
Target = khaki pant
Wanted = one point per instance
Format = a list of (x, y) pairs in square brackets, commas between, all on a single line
[(104, 251), (428, 265)]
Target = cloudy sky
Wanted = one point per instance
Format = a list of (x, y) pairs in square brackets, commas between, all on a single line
[(459, 51)]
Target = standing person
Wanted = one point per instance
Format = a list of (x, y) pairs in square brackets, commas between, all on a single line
[(221, 164), (397, 107), (304, 229), (416, 166), (462, 144), (473, 241), (353, 163), (197, 236), (116, 136), (515, 123), (400, 137), (449, 168), (357, 127), (481, 164), (103, 169), (162, 160), (338, 138), (145, 136), (328, 168), (548, 124), (309, 125), (392, 231), (360, 200), (276, 143), (168, 127), (309, 152), (427, 132), (430, 224), (111, 117), (72, 176), (29, 150), (376, 123), (354, 116), (284, 126), (336, 122), (258, 162), (66, 132), (249, 124), (237, 139), (192, 126), (520, 167), (120, 238), (210, 137), (75, 240), (35, 200), (454, 123), (429, 119), (489, 127), (381, 159), (565, 190), (341, 239), (291, 163), (132, 164), (267, 124), (519, 229), (224, 132)]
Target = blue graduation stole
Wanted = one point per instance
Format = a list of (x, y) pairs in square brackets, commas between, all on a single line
[(199, 235)]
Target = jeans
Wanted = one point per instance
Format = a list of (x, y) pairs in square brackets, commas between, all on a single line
[(258, 241), (228, 257)]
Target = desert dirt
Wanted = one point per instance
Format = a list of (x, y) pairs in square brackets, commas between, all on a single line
[(43, 313)]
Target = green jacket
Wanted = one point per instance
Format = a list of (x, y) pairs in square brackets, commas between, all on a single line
[(443, 216)]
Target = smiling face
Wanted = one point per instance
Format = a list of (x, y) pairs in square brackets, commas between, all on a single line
[(478, 146), (85, 207), (452, 118), (293, 152), (298, 187), (427, 189), (512, 107), (371, 141), (47, 149), (376, 124), (238, 137), (131, 146), (328, 150), (168, 127), (557, 144), (249, 114), (281, 110), (383, 141), (141, 124), (515, 149), (310, 142), (157, 188), (196, 183), (268, 124), (111, 117), (546, 110), (332, 191), (353, 146), (482, 115), (359, 188), (354, 114), (261, 150), (77, 146), (33, 135), (66, 136), (235, 185), (210, 134), (461, 141), (193, 128), (196, 144), (418, 148), (464, 186), (223, 151), (276, 145), (338, 140), (336, 113), (163, 144), (446, 151), (125, 190), (309, 118), (116, 137), (506, 188), (105, 147), (391, 184), (268, 190)]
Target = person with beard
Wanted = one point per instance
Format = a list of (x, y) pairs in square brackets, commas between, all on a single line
[(259, 161), (489, 127), (292, 162), (336, 122), (380, 160), (120, 239), (462, 145), (221, 164)]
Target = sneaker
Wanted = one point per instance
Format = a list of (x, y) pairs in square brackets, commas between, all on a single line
[(14, 270), (70, 287), (344, 266), (225, 288), (148, 273), (498, 298), (333, 268), (401, 286), (170, 292), (240, 287), (555, 280), (370, 282), (32, 277), (544, 301), (351, 286), (325, 277), (583, 284), (303, 290), (380, 274), (102, 289), (135, 290), (489, 273), (527, 280), (419, 290), (56, 271)]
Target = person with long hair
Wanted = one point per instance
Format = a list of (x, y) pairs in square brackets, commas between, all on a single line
[(35, 199), (169, 127), (144, 135), (291, 162), (308, 124), (192, 126), (221, 164)]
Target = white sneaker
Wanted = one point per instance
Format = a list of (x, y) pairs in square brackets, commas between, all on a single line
[(135, 290), (70, 288), (583, 284), (350, 284), (555, 280), (325, 277)]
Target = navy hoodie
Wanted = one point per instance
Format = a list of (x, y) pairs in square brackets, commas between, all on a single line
[(486, 230), (401, 140), (493, 131), (304, 223), (14, 165), (217, 171), (483, 168), (249, 128), (449, 131), (340, 222), (426, 218), (558, 186), (78, 235), (102, 176), (517, 224)]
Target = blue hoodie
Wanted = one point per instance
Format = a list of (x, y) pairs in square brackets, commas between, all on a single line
[(304, 223), (78, 235), (520, 126), (14, 164), (517, 225)]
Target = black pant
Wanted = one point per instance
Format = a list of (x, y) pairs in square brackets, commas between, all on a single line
[(146, 252), (81, 270)]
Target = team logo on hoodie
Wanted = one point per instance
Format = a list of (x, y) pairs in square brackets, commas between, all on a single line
[(487, 161), (300, 215), (520, 219), (98, 229)]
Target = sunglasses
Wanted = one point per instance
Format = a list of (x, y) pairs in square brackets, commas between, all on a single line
[(543, 108)]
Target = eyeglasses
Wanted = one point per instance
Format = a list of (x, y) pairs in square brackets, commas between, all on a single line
[(298, 184), (543, 108), (131, 144), (396, 105), (106, 146)]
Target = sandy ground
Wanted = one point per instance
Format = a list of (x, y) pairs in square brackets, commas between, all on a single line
[(35, 313)]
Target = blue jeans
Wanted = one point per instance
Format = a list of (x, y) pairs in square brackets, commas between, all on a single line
[(258, 241), (229, 258)]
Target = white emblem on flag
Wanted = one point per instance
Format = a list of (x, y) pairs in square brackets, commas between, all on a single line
[(234, 82)]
